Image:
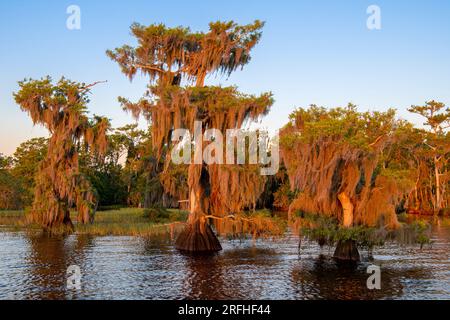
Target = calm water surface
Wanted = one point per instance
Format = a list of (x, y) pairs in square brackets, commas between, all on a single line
[(34, 267)]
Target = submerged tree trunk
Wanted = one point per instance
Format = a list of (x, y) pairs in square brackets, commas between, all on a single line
[(198, 235), (347, 251)]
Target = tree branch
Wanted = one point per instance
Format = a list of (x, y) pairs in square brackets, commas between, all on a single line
[(376, 140), (142, 66), (227, 217), (85, 88)]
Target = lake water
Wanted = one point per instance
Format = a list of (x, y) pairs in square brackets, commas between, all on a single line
[(34, 267)]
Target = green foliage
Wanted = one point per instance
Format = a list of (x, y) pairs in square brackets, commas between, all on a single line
[(5, 162), (108, 183), (327, 231), (226, 46), (132, 222), (417, 232), (27, 157), (118, 222), (26, 160), (156, 214), (401, 176), (436, 114), (359, 129), (319, 228), (12, 192), (164, 215), (284, 195), (110, 207)]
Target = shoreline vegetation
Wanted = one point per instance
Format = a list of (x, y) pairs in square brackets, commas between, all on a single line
[(140, 222), (145, 223), (115, 222)]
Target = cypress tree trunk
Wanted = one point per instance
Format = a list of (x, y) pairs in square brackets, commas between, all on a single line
[(347, 251), (347, 208), (198, 235), (438, 186), (68, 222), (61, 218)]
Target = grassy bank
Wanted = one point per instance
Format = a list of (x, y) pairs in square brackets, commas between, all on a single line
[(12, 219), (152, 222), (121, 222)]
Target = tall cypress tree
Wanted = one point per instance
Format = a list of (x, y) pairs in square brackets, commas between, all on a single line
[(177, 61)]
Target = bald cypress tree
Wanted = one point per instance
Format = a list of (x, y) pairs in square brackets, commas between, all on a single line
[(61, 109), (177, 61), (335, 159)]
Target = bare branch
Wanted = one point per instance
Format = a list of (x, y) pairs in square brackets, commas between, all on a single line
[(87, 87), (227, 217)]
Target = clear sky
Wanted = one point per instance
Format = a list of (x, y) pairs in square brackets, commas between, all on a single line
[(311, 52)]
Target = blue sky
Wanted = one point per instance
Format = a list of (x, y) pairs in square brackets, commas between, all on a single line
[(311, 52)]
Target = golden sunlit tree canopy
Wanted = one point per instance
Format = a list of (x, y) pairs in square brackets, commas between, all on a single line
[(166, 54)]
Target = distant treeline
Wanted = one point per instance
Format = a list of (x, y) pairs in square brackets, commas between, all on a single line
[(320, 148), (119, 179)]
